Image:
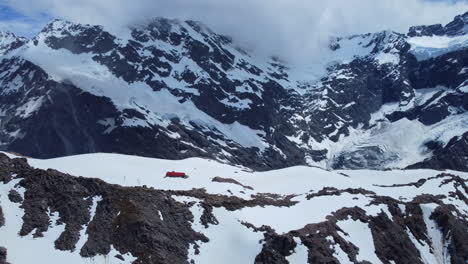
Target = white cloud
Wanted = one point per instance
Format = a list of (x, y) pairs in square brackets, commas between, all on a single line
[(290, 28), (20, 27)]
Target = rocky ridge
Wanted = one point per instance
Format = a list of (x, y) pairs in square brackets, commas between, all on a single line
[(147, 225)]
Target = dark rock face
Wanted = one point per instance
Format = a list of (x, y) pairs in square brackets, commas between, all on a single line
[(82, 136), (431, 30), (3, 255), (445, 70), (453, 155), (226, 105), (275, 249), (385, 233), (458, 25), (14, 196), (2, 218), (45, 132), (454, 28)]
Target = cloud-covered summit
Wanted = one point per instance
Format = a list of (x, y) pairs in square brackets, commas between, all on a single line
[(292, 29)]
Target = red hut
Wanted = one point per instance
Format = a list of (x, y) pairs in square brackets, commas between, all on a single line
[(174, 174)]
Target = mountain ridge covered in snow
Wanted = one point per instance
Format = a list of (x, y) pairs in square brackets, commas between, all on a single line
[(175, 89)]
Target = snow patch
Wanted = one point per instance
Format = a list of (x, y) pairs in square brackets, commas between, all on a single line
[(360, 235), (300, 254), (427, 47)]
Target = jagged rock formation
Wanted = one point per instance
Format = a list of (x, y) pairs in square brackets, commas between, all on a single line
[(3, 255), (455, 28), (175, 89), (453, 155), (10, 42)]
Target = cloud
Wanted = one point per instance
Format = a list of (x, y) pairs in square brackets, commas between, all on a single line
[(21, 27), (292, 29)]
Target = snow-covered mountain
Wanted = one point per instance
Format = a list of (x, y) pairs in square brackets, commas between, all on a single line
[(175, 89), (226, 214), (258, 137), (10, 42)]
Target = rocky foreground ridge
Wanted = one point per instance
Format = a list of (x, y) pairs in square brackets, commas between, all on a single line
[(427, 223)]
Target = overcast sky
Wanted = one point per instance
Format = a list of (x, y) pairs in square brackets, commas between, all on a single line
[(272, 26)]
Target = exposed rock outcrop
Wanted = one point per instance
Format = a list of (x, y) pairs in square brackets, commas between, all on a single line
[(3, 255)]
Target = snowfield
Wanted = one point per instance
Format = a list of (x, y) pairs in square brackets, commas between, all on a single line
[(230, 239), (429, 47), (128, 170)]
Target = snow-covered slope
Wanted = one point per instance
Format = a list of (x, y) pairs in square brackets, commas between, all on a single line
[(435, 40), (9, 41), (426, 47), (175, 89), (227, 214)]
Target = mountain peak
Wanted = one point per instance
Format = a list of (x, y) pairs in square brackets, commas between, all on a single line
[(7, 34), (65, 27), (9, 41), (458, 26)]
